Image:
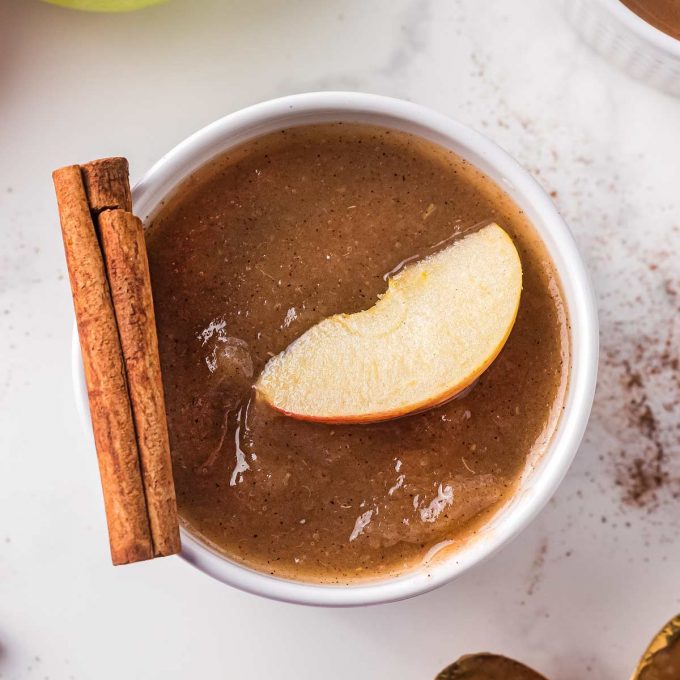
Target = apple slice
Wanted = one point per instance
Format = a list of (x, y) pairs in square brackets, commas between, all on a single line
[(437, 328)]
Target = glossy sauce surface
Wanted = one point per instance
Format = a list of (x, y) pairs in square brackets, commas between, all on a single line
[(267, 241), (662, 14)]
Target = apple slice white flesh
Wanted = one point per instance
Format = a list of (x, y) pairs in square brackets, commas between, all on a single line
[(438, 327)]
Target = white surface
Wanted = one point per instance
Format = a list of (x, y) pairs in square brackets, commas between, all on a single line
[(574, 595)]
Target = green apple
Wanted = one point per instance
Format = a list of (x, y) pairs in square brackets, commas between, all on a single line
[(105, 5)]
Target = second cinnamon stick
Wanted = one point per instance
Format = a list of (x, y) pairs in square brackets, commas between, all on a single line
[(124, 247)]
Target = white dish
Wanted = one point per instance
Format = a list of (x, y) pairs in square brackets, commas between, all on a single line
[(542, 476), (628, 41)]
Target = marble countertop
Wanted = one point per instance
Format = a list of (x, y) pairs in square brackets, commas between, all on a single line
[(581, 591)]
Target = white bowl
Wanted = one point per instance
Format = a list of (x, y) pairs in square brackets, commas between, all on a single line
[(544, 475), (628, 41)]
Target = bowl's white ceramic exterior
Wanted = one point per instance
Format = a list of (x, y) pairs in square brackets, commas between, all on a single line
[(628, 41), (543, 477)]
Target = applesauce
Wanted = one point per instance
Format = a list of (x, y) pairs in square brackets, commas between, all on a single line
[(266, 241)]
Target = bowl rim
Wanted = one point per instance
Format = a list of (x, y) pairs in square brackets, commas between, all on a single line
[(574, 279), (643, 29)]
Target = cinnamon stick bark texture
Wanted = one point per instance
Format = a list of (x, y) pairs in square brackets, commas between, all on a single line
[(110, 409), (107, 184), (127, 266)]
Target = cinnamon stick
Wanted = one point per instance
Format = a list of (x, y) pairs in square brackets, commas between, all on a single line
[(107, 184), (112, 421), (127, 267)]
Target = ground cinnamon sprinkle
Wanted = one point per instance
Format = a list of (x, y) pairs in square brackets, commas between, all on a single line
[(645, 463)]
